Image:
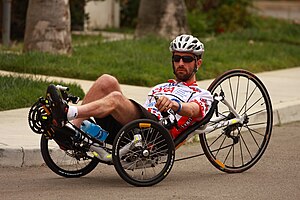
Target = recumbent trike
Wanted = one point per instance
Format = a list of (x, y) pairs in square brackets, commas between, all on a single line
[(234, 135)]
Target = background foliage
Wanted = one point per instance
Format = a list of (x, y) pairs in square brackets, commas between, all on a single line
[(129, 13)]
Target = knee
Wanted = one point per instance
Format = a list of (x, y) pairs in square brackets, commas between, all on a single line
[(107, 83), (107, 79)]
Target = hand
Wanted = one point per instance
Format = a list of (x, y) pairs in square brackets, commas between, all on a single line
[(163, 104)]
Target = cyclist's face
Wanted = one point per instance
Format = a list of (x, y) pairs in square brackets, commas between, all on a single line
[(184, 64)]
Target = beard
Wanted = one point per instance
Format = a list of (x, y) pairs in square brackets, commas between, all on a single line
[(183, 75)]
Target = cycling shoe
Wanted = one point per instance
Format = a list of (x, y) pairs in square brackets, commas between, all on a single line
[(58, 107)]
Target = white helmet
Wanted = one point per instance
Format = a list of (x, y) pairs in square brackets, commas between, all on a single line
[(187, 43)]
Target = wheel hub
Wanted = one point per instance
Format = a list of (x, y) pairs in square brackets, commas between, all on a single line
[(146, 153)]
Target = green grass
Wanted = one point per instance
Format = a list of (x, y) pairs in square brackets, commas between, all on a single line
[(132, 61), (255, 56), (270, 45), (18, 92)]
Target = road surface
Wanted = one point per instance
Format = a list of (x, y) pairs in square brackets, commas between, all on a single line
[(275, 176)]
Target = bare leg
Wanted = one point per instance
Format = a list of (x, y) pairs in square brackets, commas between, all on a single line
[(122, 109), (104, 85), (104, 98)]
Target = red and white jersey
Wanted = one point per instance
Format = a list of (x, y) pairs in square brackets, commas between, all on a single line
[(184, 93)]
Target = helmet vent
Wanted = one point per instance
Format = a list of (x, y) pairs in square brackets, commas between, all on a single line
[(191, 46)]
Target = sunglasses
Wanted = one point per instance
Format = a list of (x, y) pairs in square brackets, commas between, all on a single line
[(186, 59)]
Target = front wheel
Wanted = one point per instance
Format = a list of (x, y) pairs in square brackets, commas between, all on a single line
[(143, 153), (238, 147), (64, 159)]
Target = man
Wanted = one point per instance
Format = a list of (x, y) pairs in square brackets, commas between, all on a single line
[(112, 110)]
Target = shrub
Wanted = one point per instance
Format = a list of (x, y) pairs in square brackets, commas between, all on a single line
[(129, 12), (214, 16)]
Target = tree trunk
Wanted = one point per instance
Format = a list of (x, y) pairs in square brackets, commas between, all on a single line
[(48, 27), (165, 18)]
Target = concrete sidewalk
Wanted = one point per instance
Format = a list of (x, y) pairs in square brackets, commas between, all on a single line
[(19, 146), (289, 10)]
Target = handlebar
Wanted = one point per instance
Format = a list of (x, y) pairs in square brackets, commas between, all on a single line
[(62, 88), (67, 97), (166, 113), (168, 117)]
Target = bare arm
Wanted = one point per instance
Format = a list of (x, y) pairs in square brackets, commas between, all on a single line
[(190, 109)]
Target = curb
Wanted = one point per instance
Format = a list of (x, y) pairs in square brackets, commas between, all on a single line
[(20, 157), (286, 112)]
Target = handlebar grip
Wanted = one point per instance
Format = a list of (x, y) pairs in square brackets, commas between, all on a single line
[(165, 114), (62, 88)]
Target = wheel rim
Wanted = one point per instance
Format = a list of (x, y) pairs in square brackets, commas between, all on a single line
[(66, 162), (238, 147)]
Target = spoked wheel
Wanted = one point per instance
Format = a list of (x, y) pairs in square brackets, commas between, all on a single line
[(62, 158), (143, 153), (238, 147)]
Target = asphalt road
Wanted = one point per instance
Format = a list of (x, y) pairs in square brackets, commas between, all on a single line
[(275, 176)]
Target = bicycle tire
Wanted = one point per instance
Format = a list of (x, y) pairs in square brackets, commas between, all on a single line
[(137, 167), (235, 149), (62, 161)]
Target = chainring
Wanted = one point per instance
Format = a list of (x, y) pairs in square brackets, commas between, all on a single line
[(39, 119)]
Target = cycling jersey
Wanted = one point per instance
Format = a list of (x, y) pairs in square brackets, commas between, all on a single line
[(182, 92)]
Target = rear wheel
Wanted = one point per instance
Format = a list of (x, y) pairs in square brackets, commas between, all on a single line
[(145, 160), (238, 147), (64, 159)]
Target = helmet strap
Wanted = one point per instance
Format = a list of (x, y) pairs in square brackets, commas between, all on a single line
[(194, 70), (195, 67)]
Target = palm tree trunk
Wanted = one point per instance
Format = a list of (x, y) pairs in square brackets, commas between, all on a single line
[(48, 27), (166, 18)]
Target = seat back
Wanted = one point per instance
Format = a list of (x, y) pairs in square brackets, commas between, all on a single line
[(182, 136)]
